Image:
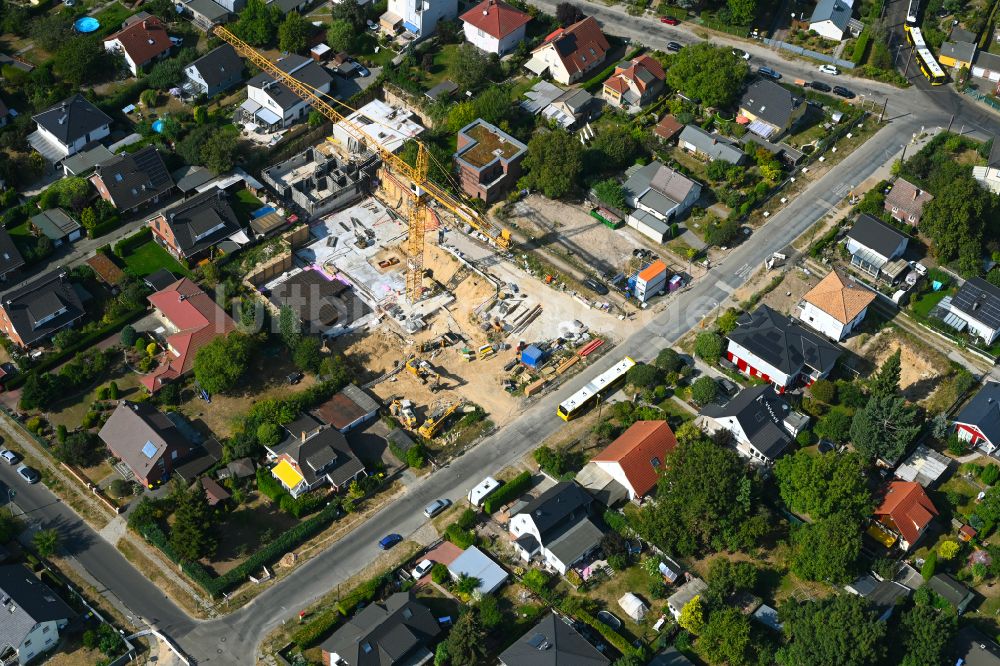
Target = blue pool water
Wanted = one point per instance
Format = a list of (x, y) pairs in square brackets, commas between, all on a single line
[(158, 126), (86, 24)]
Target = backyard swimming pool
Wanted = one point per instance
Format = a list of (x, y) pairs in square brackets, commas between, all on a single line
[(86, 24)]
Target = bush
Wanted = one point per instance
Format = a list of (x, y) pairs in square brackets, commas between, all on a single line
[(616, 521), (461, 538), (467, 519), (990, 474), (537, 581), (618, 561), (507, 492), (708, 346), (641, 375), (439, 573), (316, 628), (704, 390), (927, 571), (119, 488)]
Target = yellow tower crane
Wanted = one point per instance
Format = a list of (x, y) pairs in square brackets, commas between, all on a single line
[(421, 186)]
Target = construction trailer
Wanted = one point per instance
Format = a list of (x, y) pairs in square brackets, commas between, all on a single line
[(650, 281)]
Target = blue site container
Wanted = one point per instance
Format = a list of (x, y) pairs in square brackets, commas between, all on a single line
[(532, 356)]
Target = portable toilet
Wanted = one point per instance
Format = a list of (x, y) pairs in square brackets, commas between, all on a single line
[(675, 283), (532, 356)]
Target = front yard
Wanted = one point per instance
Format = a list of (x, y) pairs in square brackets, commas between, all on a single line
[(150, 257)]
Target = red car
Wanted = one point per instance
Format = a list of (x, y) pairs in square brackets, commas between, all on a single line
[(669, 21)]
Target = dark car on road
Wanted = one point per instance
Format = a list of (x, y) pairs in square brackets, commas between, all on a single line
[(769, 73), (844, 92), (595, 286), (819, 85), (389, 541), (674, 46)]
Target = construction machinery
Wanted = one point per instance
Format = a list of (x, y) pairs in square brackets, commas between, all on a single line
[(440, 342), (423, 371), (432, 426), (421, 187), (403, 411)]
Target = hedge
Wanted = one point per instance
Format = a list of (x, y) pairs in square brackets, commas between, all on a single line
[(861, 47), (612, 636), (507, 492), (105, 227), (315, 629), (129, 243), (362, 593), (673, 12), (461, 538)]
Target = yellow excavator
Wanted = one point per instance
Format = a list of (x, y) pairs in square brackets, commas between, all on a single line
[(403, 411), (432, 426), (423, 371)]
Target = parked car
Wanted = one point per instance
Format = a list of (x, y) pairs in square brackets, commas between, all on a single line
[(740, 53), (362, 70), (674, 46), (387, 541), (844, 92), (10, 457), (819, 85), (669, 21), (829, 69), (29, 474), (595, 286), (769, 73), (727, 387), (295, 378), (421, 569), (436, 507)]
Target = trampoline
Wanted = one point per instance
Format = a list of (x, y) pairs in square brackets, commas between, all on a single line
[(86, 24)]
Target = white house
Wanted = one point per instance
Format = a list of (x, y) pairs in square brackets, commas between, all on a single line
[(975, 308), (494, 26), (140, 42), (835, 306), (660, 192), (67, 127), (556, 527), (418, 17), (637, 456), (568, 54), (876, 248), (32, 615), (218, 70), (832, 18), (760, 421), (273, 105)]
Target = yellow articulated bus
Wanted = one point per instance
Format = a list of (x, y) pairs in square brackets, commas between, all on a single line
[(929, 67), (586, 397)]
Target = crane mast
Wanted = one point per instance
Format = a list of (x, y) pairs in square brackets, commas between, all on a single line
[(421, 187)]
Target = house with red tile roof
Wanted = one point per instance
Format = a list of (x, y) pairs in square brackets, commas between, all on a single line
[(568, 54), (193, 320), (905, 512), (635, 83), (141, 42), (494, 26), (637, 456)]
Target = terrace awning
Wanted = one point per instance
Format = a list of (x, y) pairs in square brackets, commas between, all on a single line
[(287, 474), (760, 128), (268, 117)]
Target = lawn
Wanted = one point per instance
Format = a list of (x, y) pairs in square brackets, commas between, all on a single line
[(922, 305), (150, 257), (443, 67), (245, 203), (635, 580), (111, 18)]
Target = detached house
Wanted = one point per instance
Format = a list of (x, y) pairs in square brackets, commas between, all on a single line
[(10, 259), (832, 18), (658, 195), (146, 440), (494, 26), (710, 146), (556, 527), (905, 512), (553, 642), (905, 202), (761, 422), (835, 306), (217, 71), (488, 160), (636, 458), (133, 180), (769, 110), (975, 308), (876, 248), (769, 345), (192, 320), (398, 632), (979, 421), (635, 83), (568, 54), (418, 18), (140, 42), (30, 315), (191, 229), (272, 105), (31, 617), (67, 127), (312, 455)]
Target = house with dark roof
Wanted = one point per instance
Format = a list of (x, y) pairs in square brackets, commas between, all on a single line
[(323, 304), (769, 110), (569, 108), (67, 127), (635, 83), (146, 440), (488, 160), (761, 422), (10, 258), (553, 642), (191, 229), (710, 146), (32, 615), (970, 647), (989, 175), (140, 43), (57, 226), (882, 595), (975, 308), (979, 421), (348, 409), (637, 456), (192, 320), (133, 180), (272, 105), (876, 248), (556, 527), (399, 632), (769, 345), (205, 14), (658, 195), (568, 54), (312, 455), (952, 591), (832, 18), (905, 201), (494, 26), (668, 128), (835, 306), (925, 466), (31, 314), (905, 512), (217, 71), (86, 160)]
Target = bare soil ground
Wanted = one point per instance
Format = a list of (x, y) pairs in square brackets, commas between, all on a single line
[(791, 290), (923, 369)]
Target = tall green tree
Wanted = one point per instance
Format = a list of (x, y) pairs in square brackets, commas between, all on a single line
[(258, 23), (341, 35), (47, 542), (958, 220), (726, 638), (835, 425), (727, 577), (822, 486), (886, 380), (711, 73), (742, 11), (293, 33), (472, 67), (884, 427), (219, 151), (220, 364), (827, 550), (840, 630), (192, 534), (553, 163), (924, 635), (465, 642)]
